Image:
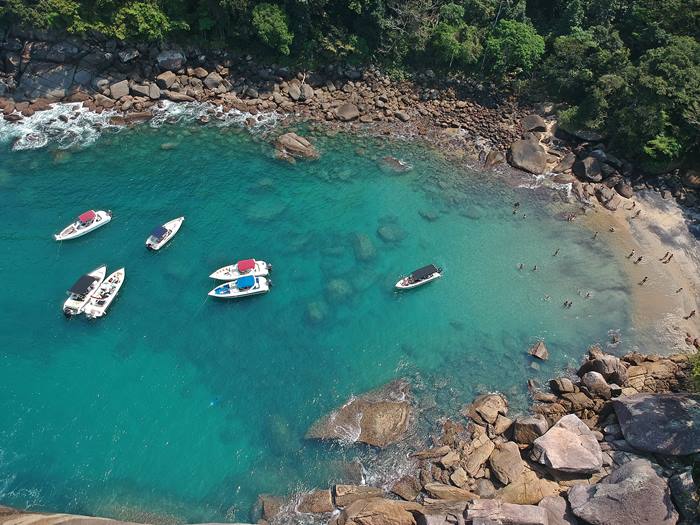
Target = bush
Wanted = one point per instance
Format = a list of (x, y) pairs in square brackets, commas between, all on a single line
[(513, 48), (270, 23)]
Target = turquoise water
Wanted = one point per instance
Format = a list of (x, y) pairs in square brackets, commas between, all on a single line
[(186, 407)]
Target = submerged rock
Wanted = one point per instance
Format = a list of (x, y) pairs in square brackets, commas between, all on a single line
[(378, 418), (338, 290), (394, 164), (391, 233), (291, 146), (634, 494), (364, 248)]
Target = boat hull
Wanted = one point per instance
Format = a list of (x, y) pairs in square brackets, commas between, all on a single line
[(173, 227), (400, 286), (229, 291), (112, 284), (74, 230), (231, 273), (75, 305)]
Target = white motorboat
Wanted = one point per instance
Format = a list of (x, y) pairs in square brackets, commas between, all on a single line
[(162, 234), (85, 223), (242, 269), (242, 287), (83, 289), (105, 294), (419, 277)]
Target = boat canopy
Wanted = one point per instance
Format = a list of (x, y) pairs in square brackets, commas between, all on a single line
[(87, 216), (425, 272), (82, 285), (245, 282), (245, 265), (159, 232)]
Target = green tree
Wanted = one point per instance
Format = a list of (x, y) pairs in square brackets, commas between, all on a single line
[(513, 47), (271, 26)]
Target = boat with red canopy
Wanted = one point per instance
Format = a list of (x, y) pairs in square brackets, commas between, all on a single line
[(85, 223), (242, 268)]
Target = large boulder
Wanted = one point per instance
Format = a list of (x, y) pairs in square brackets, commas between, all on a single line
[(528, 155), (377, 511), (378, 418), (569, 446), (316, 502), (506, 463), (596, 384), (119, 89), (660, 423), (213, 80), (347, 112), (497, 512), (588, 169), (485, 409), (634, 494), (558, 511), (533, 123), (45, 80), (609, 366), (527, 429), (539, 350), (171, 60), (166, 79), (344, 495), (291, 145), (528, 489)]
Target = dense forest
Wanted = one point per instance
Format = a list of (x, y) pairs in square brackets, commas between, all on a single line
[(629, 69)]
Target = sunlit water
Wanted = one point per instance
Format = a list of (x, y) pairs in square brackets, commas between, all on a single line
[(188, 407)]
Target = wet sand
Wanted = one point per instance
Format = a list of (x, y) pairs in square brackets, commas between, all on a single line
[(660, 227)]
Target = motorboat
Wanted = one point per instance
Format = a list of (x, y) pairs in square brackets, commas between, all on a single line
[(83, 289), (419, 277), (85, 223), (105, 294), (242, 269), (162, 234), (242, 287)]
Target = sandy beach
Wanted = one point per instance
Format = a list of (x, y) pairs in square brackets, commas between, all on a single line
[(660, 227)]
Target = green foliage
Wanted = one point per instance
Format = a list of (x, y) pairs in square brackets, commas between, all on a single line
[(456, 44), (270, 23), (514, 47), (141, 21), (695, 371)]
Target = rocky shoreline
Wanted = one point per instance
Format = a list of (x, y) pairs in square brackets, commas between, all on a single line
[(614, 444), (455, 115)]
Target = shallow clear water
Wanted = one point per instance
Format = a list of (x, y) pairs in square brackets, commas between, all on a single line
[(183, 406)]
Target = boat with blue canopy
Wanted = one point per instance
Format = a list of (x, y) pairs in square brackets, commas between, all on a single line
[(242, 287), (162, 234)]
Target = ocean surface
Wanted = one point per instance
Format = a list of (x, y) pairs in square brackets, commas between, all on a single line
[(178, 407)]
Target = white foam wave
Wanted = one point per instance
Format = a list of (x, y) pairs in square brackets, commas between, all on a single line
[(186, 112), (64, 125), (546, 180)]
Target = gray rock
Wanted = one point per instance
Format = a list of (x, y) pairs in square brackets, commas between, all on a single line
[(62, 52), (610, 366), (494, 158), (660, 423), (528, 155), (177, 97), (634, 494), (293, 145), (128, 55), (562, 385), (294, 91), (569, 446), (558, 511), (685, 495), (378, 418), (171, 60), (166, 79), (402, 116), (484, 488), (533, 123), (505, 513), (625, 189), (539, 350), (45, 80), (213, 80), (153, 91), (347, 112), (506, 463), (588, 169), (596, 384), (485, 408), (565, 164), (119, 89), (527, 429), (307, 92), (139, 90)]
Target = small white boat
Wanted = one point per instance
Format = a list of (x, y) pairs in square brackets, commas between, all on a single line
[(83, 289), (105, 294), (242, 269), (85, 223), (162, 234), (242, 287), (419, 277)]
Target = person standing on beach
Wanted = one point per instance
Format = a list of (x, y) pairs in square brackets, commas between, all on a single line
[(556, 253), (679, 290), (665, 255), (691, 314), (631, 254), (643, 280), (639, 259), (595, 235), (669, 259)]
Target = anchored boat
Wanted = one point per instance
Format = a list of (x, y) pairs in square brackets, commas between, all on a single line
[(105, 294), (83, 289), (419, 277), (85, 223), (162, 234), (242, 287), (242, 268)]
